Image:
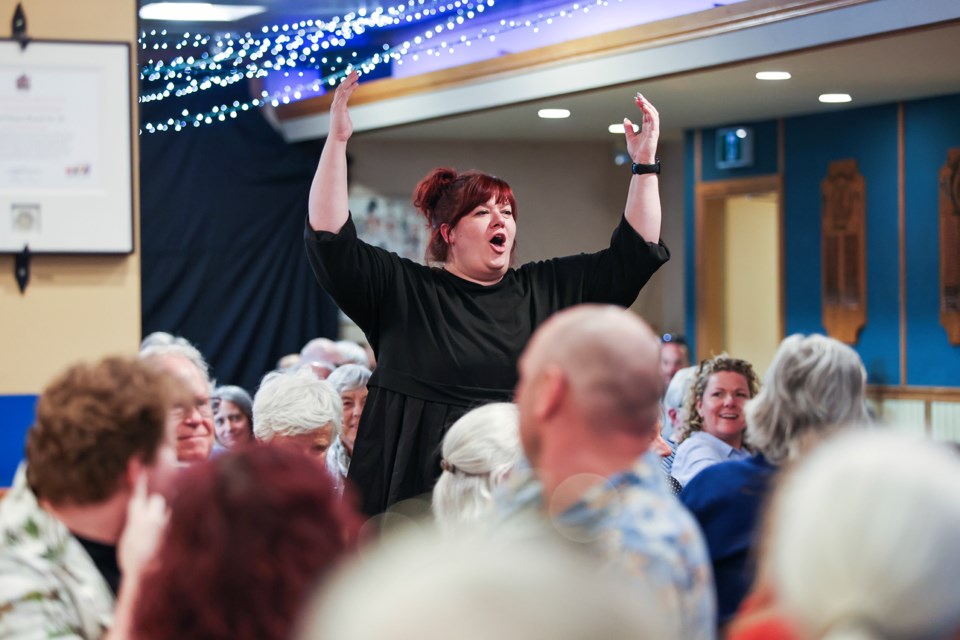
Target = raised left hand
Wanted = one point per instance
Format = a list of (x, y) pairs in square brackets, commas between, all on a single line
[(642, 145)]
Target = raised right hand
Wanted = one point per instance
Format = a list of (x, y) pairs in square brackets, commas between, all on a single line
[(146, 520), (341, 128)]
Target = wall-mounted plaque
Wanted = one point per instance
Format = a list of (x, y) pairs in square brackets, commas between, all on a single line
[(950, 245), (66, 171), (844, 212)]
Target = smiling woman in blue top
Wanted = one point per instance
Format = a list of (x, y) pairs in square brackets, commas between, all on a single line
[(714, 432), (447, 337)]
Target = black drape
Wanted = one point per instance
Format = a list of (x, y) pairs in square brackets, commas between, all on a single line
[(223, 264)]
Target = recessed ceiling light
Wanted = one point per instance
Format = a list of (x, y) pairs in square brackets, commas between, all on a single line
[(773, 75), (618, 128), (554, 114), (198, 11), (835, 97)]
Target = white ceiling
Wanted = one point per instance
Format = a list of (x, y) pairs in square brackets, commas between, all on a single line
[(880, 69)]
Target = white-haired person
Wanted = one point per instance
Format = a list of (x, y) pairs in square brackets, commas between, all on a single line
[(322, 355), (194, 420), (861, 543), (673, 414), (475, 586), (673, 402), (297, 410), (479, 451), (350, 381), (352, 353), (815, 385)]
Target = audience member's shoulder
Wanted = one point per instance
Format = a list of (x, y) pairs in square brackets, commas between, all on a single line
[(717, 481)]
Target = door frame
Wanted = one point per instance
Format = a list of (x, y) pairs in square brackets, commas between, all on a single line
[(721, 190)]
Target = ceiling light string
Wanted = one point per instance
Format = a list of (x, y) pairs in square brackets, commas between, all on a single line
[(411, 49), (408, 50), (343, 28), (221, 112), (543, 20), (194, 75)]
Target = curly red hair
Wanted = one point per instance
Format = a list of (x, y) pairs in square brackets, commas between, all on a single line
[(444, 196), (250, 534)]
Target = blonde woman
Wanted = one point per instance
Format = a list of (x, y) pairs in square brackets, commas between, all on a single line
[(716, 420)]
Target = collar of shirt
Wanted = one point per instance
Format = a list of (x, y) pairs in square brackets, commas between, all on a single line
[(723, 449), (644, 475)]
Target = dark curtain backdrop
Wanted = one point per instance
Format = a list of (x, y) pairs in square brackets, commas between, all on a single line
[(222, 217)]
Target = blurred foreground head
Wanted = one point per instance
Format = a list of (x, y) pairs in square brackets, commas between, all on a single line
[(865, 539), (421, 585), (250, 533), (94, 421)]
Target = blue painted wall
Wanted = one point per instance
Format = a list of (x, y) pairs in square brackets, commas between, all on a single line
[(16, 416), (868, 135), (932, 127)]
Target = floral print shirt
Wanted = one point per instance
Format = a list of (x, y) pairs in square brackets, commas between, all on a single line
[(635, 523), (49, 586)]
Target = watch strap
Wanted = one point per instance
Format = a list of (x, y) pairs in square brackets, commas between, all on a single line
[(638, 169)]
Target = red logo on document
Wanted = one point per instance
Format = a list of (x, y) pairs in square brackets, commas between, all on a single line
[(23, 83), (78, 170)]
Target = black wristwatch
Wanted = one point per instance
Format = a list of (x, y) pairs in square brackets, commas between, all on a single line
[(640, 169)]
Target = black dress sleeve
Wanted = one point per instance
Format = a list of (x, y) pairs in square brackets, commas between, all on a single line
[(613, 275), (357, 275)]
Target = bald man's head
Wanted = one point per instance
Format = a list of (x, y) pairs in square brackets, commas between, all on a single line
[(605, 359)]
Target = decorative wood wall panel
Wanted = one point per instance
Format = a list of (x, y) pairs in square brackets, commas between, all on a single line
[(950, 245), (844, 214)]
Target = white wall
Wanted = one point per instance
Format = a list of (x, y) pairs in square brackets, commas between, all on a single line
[(570, 196)]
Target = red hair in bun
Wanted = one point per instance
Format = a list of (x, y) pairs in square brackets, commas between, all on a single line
[(444, 196)]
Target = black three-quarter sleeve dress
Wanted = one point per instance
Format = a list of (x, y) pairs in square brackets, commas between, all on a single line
[(445, 345)]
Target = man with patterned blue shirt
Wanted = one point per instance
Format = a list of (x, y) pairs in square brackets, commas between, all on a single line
[(588, 397)]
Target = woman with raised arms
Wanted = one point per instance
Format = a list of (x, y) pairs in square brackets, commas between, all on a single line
[(447, 336)]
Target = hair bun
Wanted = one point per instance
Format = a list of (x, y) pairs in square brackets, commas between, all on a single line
[(431, 189)]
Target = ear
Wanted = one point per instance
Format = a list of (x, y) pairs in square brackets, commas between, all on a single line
[(672, 413), (445, 232), (134, 468), (699, 406), (553, 389)]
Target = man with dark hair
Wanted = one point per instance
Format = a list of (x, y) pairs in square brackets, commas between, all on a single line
[(100, 431), (674, 355), (588, 398)]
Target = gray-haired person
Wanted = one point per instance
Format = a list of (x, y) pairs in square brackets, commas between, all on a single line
[(479, 452), (194, 419), (350, 381), (297, 410), (814, 386), (233, 416)]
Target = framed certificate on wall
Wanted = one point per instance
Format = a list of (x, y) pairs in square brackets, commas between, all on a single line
[(66, 149)]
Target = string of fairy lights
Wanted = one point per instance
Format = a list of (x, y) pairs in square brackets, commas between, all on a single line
[(291, 44), (316, 51)]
